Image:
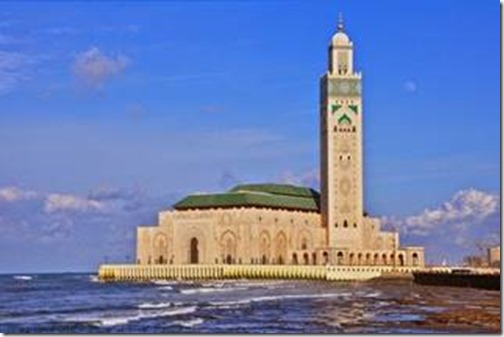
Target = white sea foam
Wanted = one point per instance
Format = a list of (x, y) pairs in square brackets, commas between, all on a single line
[(121, 319), (22, 277), (192, 291), (189, 323), (94, 278), (163, 282), (165, 288), (149, 305)]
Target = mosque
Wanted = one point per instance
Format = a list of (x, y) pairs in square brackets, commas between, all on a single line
[(274, 224)]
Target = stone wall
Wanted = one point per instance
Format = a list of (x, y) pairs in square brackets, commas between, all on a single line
[(261, 236), (194, 272)]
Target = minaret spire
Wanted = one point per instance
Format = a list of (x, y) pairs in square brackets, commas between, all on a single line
[(340, 22)]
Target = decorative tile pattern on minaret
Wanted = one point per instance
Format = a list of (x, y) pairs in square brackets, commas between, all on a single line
[(341, 147)]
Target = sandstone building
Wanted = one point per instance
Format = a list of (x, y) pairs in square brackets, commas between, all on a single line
[(284, 224)]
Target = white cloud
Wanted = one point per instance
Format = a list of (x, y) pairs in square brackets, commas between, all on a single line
[(410, 86), (464, 225), (465, 207), (93, 68), (13, 194), (65, 202)]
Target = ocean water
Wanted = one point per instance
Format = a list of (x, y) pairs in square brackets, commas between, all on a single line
[(78, 303)]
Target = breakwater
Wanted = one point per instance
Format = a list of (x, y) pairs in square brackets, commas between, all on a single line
[(482, 279), (139, 273)]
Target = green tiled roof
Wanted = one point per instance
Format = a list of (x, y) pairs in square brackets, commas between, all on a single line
[(281, 189), (256, 195)]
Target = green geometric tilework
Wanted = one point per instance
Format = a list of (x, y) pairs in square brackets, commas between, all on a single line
[(335, 107), (354, 108), (344, 120)]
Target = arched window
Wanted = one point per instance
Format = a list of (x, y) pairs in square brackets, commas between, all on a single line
[(384, 259), (280, 260), (359, 258), (345, 224), (294, 258), (368, 259), (375, 260), (229, 259), (314, 258), (194, 252), (351, 259)]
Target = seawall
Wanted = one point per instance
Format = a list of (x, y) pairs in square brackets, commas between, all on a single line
[(141, 273)]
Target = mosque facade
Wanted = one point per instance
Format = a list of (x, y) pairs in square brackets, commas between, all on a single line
[(284, 224)]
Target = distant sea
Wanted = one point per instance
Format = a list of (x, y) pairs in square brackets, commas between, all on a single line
[(78, 303)]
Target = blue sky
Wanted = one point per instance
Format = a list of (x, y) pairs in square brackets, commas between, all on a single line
[(111, 111)]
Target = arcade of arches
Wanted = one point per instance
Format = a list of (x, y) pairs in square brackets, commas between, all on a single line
[(259, 236)]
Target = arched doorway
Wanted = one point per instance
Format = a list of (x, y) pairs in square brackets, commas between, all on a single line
[(351, 259), (265, 247), (294, 258), (229, 259), (228, 247), (401, 260), (306, 258), (339, 258), (160, 249), (280, 247), (194, 252), (325, 256), (415, 259)]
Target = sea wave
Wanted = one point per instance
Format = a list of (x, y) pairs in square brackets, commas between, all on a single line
[(159, 305), (231, 304), (163, 282), (94, 278), (204, 290), (121, 319), (189, 323), (22, 277)]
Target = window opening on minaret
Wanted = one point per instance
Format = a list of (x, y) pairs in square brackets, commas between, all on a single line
[(345, 224)]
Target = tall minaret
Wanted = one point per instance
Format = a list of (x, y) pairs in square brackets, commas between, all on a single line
[(341, 146)]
